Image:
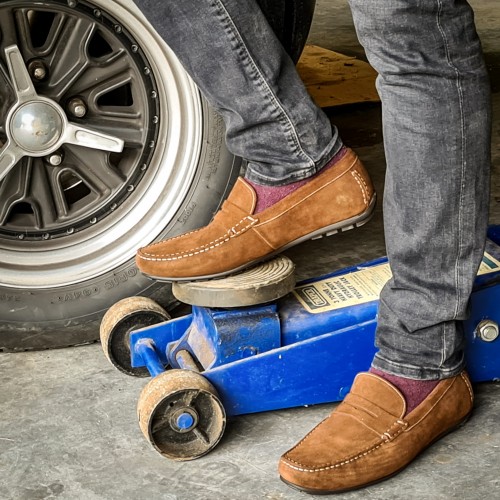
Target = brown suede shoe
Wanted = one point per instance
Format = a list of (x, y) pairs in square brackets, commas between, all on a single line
[(340, 198), (367, 438)]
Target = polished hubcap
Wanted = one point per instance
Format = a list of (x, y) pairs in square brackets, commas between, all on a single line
[(36, 126)]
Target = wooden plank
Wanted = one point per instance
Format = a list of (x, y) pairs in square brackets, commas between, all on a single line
[(335, 79)]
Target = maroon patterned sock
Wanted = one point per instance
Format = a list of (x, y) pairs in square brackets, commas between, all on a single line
[(269, 195), (414, 391)]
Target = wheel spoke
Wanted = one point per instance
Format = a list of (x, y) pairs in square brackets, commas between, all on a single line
[(201, 435), (160, 424), (8, 27), (68, 54), (127, 126), (99, 78), (24, 30), (13, 188), (20, 78), (82, 136), (7, 98), (189, 397), (30, 186), (10, 154), (96, 171), (44, 194)]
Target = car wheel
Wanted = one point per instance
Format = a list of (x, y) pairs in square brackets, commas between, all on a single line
[(130, 153)]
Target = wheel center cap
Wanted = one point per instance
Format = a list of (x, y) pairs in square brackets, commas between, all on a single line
[(36, 126)]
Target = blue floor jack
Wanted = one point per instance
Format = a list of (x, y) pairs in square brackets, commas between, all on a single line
[(268, 345)]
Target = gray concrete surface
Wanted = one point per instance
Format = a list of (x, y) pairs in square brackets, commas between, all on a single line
[(68, 426)]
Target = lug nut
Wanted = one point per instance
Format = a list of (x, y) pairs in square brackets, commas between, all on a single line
[(487, 330), (77, 107), (39, 73), (38, 70), (54, 159)]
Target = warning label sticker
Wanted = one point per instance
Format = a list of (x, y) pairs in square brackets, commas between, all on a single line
[(358, 287), (345, 290)]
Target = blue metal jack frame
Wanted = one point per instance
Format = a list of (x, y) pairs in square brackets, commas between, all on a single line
[(307, 347), (304, 349)]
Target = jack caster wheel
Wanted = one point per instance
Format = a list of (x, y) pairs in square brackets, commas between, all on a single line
[(122, 318), (181, 415)]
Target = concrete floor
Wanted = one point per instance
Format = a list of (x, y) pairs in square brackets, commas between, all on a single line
[(67, 418)]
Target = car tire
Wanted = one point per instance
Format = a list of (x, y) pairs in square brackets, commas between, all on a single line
[(65, 260)]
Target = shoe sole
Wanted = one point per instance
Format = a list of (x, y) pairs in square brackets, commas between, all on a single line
[(339, 227), (389, 476)]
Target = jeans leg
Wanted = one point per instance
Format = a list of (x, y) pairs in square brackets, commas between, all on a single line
[(229, 49), (436, 117)]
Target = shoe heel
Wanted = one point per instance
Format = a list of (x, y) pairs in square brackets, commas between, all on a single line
[(346, 225)]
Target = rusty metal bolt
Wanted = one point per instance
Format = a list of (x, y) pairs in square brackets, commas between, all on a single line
[(37, 70), (77, 107)]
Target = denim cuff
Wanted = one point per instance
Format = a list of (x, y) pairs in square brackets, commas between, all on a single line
[(279, 175), (419, 372)]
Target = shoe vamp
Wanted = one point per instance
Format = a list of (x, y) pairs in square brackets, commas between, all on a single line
[(224, 227), (336, 440)]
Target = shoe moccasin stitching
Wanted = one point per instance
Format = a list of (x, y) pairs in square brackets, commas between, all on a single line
[(368, 438), (341, 197)]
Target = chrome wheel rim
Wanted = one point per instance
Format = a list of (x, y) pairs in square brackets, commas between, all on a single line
[(69, 213)]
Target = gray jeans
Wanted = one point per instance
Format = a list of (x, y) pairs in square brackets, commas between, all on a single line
[(436, 117)]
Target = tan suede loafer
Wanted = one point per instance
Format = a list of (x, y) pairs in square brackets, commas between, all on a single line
[(367, 438), (340, 198)]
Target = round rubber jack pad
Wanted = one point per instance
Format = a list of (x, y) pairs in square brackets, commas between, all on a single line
[(262, 283)]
